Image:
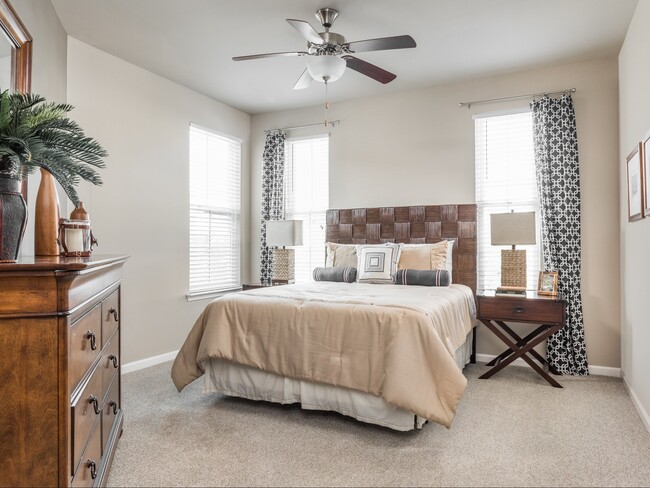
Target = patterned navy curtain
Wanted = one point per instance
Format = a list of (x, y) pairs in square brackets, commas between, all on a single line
[(558, 186), (272, 195)]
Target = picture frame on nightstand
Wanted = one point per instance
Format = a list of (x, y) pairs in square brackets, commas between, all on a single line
[(548, 282)]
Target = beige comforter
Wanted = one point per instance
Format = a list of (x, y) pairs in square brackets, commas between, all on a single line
[(392, 341)]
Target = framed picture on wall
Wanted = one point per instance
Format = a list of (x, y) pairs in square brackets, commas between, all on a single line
[(635, 203), (645, 157)]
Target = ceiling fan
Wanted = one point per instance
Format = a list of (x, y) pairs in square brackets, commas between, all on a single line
[(329, 53)]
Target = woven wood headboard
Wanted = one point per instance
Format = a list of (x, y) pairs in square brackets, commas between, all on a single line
[(414, 225)]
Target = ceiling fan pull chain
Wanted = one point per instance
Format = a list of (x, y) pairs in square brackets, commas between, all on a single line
[(327, 103)]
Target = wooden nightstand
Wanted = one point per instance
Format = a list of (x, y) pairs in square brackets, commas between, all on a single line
[(493, 311), (254, 286)]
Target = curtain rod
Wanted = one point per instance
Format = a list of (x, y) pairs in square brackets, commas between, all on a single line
[(333, 123), (530, 95)]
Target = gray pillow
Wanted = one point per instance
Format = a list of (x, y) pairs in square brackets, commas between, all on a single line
[(428, 277), (344, 274)]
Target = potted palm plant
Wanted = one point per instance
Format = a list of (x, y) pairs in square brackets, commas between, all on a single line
[(37, 134)]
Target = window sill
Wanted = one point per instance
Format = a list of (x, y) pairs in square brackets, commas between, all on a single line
[(209, 294)]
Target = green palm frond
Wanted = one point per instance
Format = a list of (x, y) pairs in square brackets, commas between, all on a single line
[(38, 134), (67, 180)]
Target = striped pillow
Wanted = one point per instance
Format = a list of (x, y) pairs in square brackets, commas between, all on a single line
[(342, 274), (430, 277)]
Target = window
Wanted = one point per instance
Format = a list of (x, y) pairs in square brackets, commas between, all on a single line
[(505, 181), (306, 183), (215, 211)]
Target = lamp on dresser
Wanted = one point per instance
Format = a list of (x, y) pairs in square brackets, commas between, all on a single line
[(282, 233), (512, 229)]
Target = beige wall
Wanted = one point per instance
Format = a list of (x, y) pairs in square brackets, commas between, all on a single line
[(417, 147), (48, 79), (143, 208), (634, 96), (433, 159)]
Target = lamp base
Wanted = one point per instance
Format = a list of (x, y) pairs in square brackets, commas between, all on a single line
[(283, 266), (513, 268)]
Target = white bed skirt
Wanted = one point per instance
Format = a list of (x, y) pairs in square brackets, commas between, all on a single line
[(222, 376)]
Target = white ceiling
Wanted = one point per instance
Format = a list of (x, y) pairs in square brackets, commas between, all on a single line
[(192, 41)]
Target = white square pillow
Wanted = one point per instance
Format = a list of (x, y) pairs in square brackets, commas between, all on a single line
[(377, 263)]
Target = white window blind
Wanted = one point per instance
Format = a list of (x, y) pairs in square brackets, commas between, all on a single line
[(505, 181), (215, 211), (307, 199)]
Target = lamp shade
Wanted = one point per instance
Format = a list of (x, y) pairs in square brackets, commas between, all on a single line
[(284, 233), (514, 228), (325, 67)]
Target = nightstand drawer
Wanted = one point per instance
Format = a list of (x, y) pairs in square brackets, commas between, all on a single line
[(521, 310)]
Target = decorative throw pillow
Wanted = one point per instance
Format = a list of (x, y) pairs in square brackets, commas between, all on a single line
[(429, 277), (377, 263), (415, 256), (341, 274), (439, 255), (423, 256), (450, 252), (340, 255)]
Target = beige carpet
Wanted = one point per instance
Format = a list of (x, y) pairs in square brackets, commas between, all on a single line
[(511, 430)]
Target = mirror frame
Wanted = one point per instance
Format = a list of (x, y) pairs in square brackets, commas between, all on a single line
[(21, 55)]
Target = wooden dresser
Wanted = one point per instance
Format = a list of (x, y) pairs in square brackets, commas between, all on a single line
[(60, 392)]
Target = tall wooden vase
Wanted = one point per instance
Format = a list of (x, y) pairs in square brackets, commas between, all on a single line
[(46, 217)]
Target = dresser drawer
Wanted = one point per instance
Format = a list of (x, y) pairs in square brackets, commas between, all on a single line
[(110, 363), (110, 316), (110, 410), (89, 466), (521, 310), (85, 345), (86, 410)]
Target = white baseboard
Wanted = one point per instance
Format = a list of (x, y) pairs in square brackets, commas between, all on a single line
[(643, 413), (594, 370), (481, 358), (605, 371), (147, 362)]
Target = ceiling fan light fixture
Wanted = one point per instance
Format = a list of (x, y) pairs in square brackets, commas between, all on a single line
[(325, 67)]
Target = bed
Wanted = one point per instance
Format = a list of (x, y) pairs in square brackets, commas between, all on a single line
[(391, 355)]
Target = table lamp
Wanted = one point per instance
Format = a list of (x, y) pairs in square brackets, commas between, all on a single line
[(283, 233), (511, 229)]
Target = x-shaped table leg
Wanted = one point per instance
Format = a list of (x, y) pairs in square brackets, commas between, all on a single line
[(522, 350), (520, 342)]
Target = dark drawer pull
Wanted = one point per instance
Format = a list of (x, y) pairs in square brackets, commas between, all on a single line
[(95, 403), (113, 358), (113, 405), (93, 340), (113, 312), (93, 468), (518, 310)]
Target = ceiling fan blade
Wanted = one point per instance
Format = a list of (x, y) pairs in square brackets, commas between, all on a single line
[(269, 55), (306, 30), (365, 68), (381, 44), (304, 81)]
